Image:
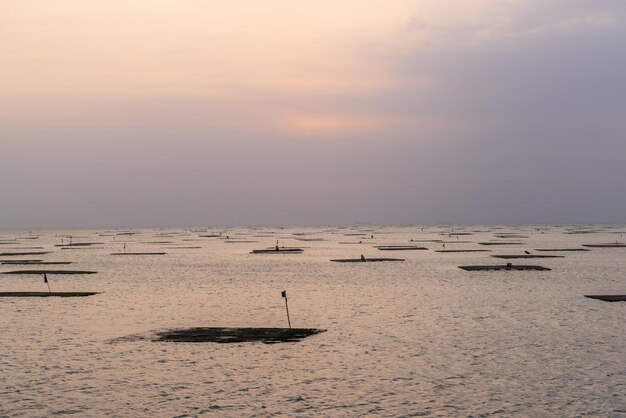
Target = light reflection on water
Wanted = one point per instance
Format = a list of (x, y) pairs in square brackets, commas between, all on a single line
[(420, 337)]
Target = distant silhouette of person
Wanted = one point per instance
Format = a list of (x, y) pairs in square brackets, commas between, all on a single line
[(362, 257)]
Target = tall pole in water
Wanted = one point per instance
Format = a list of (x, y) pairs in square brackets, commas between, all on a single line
[(284, 295)]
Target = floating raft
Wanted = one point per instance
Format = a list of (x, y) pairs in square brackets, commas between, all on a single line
[(79, 244), (50, 272), (45, 294), (21, 261), (514, 256), (399, 247), (361, 260), (562, 249), (24, 253), (237, 335), (278, 251), (462, 251), (608, 298), (500, 243), (38, 263), (503, 267), (616, 245), (157, 253)]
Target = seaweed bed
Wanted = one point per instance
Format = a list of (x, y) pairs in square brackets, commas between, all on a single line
[(157, 253), (37, 263), (24, 253), (277, 251), (363, 260), (50, 272), (562, 249), (400, 247), (79, 244), (504, 267), (462, 251), (46, 294), (608, 298), (236, 335), (615, 245), (514, 256)]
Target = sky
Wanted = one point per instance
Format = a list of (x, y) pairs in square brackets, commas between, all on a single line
[(281, 112)]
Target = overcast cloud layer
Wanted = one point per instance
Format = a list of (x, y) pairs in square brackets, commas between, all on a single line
[(141, 113)]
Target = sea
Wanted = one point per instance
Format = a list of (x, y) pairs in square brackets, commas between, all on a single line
[(414, 338)]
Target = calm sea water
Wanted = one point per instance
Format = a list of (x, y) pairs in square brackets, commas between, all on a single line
[(415, 338)]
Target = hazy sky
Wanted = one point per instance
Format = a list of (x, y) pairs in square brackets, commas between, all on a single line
[(174, 112)]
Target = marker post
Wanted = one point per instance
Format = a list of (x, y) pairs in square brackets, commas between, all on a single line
[(284, 295)]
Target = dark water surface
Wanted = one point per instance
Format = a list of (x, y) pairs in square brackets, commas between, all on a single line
[(415, 338)]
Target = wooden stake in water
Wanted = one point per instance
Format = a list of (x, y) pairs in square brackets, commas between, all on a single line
[(45, 280), (284, 295)]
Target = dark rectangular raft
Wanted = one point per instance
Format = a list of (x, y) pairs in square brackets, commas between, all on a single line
[(562, 249), (501, 243), (35, 263), (608, 298), (361, 260), (462, 251), (156, 253), (50, 272), (45, 294), (503, 267), (79, 244), (237, 335), (514, 256), (616, 245), (24, 253), (399, 247), (278, 251)]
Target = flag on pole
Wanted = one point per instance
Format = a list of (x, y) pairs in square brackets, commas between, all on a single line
[(284, 295)]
